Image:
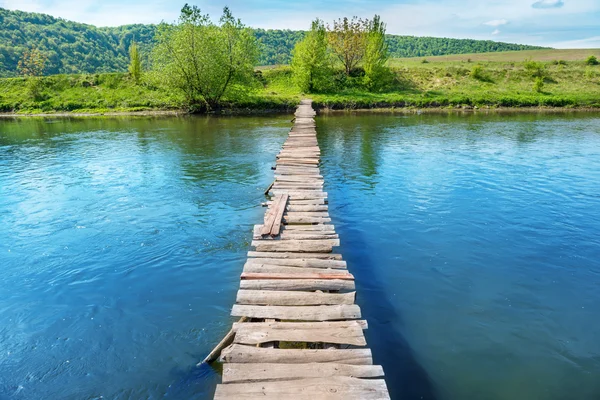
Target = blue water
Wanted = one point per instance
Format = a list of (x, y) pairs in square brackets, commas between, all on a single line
[(475, 241), (121, 245)]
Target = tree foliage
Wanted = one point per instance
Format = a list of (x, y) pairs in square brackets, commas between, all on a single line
[(203, 59), (310, 59), (348, 41), (376, 54), (135, 62), (79, 48), (32, 63), (592, 60)]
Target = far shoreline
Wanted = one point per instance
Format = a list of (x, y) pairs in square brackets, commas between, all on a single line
[(320, 110)]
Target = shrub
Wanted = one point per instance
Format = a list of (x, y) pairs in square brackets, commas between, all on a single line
[(535, 69), (477, 73), (592, 60), (559, 62), (424, 61), (538, 86)]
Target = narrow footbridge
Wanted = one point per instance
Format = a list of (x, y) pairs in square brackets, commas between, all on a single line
[(300, 335)]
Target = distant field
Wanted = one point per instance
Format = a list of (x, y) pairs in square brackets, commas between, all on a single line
[(516, 56)]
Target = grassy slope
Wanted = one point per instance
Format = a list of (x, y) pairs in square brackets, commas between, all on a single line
[(435, 84), (450, 84), (508, 56)]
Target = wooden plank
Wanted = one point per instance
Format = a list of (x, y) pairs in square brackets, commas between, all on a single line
[(270, 254), (300, 235), (283, 298), (321, 228), (333, 324), (301, 195), (319, 214), (299, 246), (312, 202), (279, 215), (293, 313), (307, 208), (298, 284), (330, 388), (237, 353), (250, 333), (271, 215), (283, 270), (238, 373), (292, 219), (300, 263), (298, 178), (296, 234), (261, 276)]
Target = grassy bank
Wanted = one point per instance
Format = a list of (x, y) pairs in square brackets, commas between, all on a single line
[(416, 84)]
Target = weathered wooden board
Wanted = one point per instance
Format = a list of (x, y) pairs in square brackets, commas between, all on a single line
[(271, 216), (320, 214), (237, 353), (301, 235), (292, 219), (298, 284), (282, 298), (250, 333), (293, 313), (307, 208), (330, 388), (307, 227), (313, 272), (297, 246), (238, 373), (301, 194), (271, 254), (300, 263), (271, 275), (296, 234), (308, 325), (299, 178)]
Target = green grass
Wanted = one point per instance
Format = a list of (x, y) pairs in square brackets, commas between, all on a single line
[(446, 84), (509, 56)]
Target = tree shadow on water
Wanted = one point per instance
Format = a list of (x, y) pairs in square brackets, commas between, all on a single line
[(405, 377)]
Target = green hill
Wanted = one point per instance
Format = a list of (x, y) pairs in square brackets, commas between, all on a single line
[(73, 47)]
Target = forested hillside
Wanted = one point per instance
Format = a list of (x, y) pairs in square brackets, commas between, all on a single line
[(79, 48)]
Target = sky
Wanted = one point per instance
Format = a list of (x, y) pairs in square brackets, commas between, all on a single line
[(554, 23)]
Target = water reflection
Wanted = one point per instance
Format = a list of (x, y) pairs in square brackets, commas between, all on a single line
[(473, 239)]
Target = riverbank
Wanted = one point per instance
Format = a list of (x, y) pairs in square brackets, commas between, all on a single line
[(416, 85)]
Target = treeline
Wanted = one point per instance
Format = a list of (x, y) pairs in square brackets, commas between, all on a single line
[(72, 47)]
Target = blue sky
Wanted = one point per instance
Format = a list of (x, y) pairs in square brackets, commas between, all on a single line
[(556, 23)]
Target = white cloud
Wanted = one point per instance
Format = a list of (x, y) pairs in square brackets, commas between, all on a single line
[(496, 22), (496, 32)]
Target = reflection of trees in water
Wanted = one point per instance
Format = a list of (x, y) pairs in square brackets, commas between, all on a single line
[(207, 148)]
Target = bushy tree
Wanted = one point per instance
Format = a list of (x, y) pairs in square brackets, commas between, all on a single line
[(310, 59), (592, 60), (32, 63), (203, 59), (348, 40), (376, 55), (135, 62)]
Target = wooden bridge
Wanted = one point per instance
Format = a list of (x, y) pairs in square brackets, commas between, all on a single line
[(300, 335)]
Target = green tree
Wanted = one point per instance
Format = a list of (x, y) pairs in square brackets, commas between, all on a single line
[(203, 59), (32, 63), (348, 40), (592, 60), (376, 55), (135, 62), (310, 59)]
